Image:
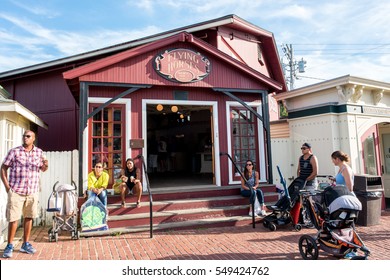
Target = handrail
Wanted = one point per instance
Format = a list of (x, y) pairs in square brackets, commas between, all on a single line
[(149, 192), (251, 189)]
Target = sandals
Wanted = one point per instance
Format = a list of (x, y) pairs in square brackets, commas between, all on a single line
[(123, 204), (138, 205)]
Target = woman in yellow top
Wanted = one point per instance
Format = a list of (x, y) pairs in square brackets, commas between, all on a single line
[(97, 183)]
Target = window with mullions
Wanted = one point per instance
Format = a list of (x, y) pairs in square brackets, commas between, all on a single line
[(244, 137), (107, 139)]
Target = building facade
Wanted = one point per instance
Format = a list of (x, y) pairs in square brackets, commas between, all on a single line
[(348, 113), (202, 90)]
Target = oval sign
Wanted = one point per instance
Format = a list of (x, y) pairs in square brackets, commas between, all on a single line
[(182, 65)]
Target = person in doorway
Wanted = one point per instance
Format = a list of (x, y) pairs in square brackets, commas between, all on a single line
[(162, 154), (131, 182), (252, 181), (98, 182), (345, 174), (308, 167), (25, 163)]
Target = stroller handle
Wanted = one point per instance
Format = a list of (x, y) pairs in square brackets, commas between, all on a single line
[(56, 183)]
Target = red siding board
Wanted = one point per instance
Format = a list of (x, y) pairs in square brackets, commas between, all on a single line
[(48, 96), (139, 70)]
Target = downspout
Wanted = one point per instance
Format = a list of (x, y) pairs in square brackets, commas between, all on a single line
[(266, 124), (82, 125)]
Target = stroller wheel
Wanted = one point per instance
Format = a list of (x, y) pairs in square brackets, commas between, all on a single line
[(75, 235), (272, 226), (297, 227), (308, 247), (56, 236), (265, 223)]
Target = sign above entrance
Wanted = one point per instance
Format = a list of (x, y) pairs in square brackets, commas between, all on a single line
[(182, 65)]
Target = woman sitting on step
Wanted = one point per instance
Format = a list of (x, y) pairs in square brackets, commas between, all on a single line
[(252, 181), (131, 182), (97, 183)]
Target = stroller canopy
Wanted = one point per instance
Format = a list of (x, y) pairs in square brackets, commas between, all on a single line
[(339, 197)]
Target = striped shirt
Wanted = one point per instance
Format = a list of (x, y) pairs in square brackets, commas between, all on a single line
[(24, 169), (305, 167)]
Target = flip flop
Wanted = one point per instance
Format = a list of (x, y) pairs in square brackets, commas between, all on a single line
[(123, 205), (138, 204)]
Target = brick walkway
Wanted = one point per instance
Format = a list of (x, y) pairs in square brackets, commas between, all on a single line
[(233, 243)]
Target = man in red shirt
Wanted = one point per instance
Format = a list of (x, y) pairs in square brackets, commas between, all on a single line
[(25, 163)]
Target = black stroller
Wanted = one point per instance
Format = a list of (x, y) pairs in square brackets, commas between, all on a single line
[(288, 208), (333, 213)]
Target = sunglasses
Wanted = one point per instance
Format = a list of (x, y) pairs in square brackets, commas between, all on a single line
[(304, 148), (27, 136), (249, 164), (98, 166)]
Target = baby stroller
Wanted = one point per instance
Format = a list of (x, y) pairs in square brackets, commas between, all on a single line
[(333, 213), (288, 208), (63, 204)]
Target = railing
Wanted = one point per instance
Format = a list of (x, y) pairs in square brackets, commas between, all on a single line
[(149, 192), (245, 180)]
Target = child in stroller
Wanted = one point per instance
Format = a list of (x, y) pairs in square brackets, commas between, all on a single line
[(333, 213), (63, 204)]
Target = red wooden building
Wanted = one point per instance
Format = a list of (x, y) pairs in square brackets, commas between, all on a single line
[(203, 88)]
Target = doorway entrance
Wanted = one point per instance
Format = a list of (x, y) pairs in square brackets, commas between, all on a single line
[(179, 148)]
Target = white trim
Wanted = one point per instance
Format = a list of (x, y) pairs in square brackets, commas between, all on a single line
[(214, 104), (14, 106), (261, 155)]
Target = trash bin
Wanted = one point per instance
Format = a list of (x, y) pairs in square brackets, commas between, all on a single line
[(369, 191)]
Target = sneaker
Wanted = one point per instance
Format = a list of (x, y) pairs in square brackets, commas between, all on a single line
[(250, 214), (8, 251), (263, 213), (27, 248), (350, 255)]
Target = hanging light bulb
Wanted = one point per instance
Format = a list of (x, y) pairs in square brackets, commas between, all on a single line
[(159, 107), (182, 116), (174, 109)]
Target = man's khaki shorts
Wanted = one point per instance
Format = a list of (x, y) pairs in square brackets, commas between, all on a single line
[(18, 205)]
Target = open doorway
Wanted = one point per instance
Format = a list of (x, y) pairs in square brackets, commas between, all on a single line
[(179, 145)]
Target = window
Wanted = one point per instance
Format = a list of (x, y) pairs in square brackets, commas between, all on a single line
[(369, 155), (244, 137), (107, 139), (9, 142)]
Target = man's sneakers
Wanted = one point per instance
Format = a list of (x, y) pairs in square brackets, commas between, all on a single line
[(27, 248), (8, 251)]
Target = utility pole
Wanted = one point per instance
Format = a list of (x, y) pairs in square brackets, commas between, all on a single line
[(292, 66)]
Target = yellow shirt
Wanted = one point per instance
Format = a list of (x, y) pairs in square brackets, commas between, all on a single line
[(98, 183)]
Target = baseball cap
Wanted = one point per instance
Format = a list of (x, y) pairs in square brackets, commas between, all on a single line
[(306, 145)]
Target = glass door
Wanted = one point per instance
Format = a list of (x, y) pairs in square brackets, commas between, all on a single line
[(107, 139), (244, 138)]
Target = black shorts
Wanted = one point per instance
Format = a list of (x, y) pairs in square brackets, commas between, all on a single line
[(130, 185)]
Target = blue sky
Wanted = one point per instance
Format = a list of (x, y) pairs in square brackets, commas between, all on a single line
[(335, 37)]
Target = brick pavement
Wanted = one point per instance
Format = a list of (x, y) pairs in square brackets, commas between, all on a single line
[(227, 243)]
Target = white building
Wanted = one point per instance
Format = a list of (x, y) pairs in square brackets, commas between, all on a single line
[(347, 113)]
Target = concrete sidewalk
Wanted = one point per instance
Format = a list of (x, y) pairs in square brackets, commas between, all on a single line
[(226, 243)]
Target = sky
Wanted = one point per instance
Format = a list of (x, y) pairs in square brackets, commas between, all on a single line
[(335, 37)]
